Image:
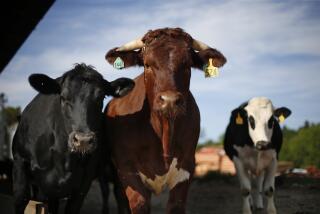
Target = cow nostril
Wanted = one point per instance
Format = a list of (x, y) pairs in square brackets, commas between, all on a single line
[(91, 140), (76, 138), (261, 144), (83, 138), (162, 99)]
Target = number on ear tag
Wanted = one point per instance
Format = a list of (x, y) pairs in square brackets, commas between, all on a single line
[(210, 70), (118, 63), (239, 120)]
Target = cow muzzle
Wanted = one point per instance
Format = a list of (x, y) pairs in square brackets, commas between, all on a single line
[(83, 143), (170, 103), (262, 145)]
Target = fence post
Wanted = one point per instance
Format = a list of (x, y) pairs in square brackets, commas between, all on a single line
[(36, 207)]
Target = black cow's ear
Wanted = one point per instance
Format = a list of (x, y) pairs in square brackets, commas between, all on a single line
[(282, 113), (44, 84), (120, 87), (201, 59), (124, 59)]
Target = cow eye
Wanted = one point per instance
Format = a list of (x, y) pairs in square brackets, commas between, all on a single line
[(251, 122), (147, 66), (99, 94), (270, 122)]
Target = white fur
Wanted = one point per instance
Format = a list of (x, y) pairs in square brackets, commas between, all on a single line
[(258, 199), (269, 182), (261, 109), (170, 179), (245, 184), (259, 164), (255, 161)]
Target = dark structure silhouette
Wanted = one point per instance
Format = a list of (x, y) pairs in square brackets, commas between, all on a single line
[(17, 20)]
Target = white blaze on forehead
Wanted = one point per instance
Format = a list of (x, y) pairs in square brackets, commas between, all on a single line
[(261, 109), (170, 179)]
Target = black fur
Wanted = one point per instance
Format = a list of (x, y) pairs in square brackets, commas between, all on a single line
[(239, 134), (43, 161)]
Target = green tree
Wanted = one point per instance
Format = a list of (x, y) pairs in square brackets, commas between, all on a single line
[(206, 143), (302, 146), (11, 114)]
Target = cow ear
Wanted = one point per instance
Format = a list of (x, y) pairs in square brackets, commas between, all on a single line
[(201, 59), (124, 59), (44, 84), (238, 116), (282, 113), (120, 87)]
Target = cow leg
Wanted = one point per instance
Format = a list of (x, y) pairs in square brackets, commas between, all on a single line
[(245, 185), (21, 187), (259, 194), (177, 198), (138, 195), (53, 205), (269, 186), (75, 201), (104, 186), (122, 202)]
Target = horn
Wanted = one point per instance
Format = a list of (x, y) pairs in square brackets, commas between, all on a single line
[(199, 46), (133, 45)]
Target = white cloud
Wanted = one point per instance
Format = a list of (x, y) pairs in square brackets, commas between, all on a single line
[(250, 34)]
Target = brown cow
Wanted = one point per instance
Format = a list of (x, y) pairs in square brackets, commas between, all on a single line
[(154, 130)]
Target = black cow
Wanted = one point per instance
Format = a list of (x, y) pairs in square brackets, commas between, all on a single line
[(253, 141), (56, 148)]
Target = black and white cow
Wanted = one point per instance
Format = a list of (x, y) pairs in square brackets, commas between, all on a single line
[(253, 141), (57, 147)]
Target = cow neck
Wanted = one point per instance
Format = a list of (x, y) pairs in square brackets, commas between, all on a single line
[(164, 127)]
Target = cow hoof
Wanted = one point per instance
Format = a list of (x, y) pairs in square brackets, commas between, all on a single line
[(247, 209), (272, 211)]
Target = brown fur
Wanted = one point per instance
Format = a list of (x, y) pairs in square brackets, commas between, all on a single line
[(146, 139)]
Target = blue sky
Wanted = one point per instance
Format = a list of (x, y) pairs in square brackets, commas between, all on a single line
[(272, 47)]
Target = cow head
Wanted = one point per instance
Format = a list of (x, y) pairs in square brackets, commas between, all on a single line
[(260, 117), (80, 93), (167, 56)]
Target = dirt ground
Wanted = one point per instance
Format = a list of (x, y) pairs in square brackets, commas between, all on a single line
[(214, 194), (221, 195)]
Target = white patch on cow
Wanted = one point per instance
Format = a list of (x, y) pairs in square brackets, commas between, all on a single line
[(258, 197), (255, 161), (170, 179), (269, 183), (245, 184), (261, 109), (262, 164)]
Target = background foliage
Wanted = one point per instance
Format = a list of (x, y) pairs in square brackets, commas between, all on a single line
[(301, 146)]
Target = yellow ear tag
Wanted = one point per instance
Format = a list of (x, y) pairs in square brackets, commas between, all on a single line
[(210, 70), (281, 118), (239, 120)]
